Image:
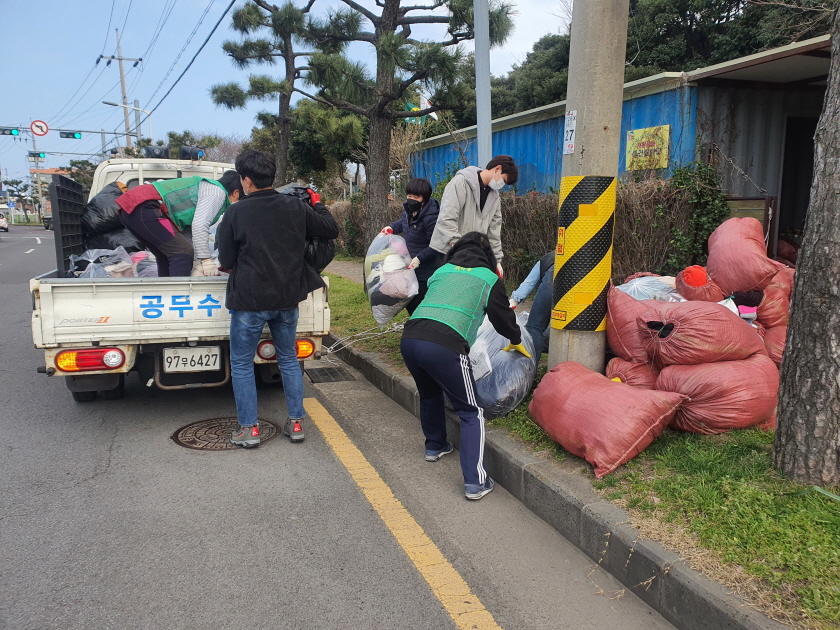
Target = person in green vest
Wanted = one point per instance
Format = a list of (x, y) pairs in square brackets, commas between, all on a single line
[(436, 346), (159, 213)]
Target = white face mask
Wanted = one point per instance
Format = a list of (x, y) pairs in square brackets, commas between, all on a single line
[(497, 184)]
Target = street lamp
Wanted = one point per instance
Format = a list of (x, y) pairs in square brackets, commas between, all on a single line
[(148, 115)]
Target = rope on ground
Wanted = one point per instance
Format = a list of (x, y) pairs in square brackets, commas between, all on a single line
[(345, 342)]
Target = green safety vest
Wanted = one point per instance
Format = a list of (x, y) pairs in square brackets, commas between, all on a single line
[(457, 297), (181, 197)]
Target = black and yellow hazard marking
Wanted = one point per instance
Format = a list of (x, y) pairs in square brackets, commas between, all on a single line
[(583, 259)]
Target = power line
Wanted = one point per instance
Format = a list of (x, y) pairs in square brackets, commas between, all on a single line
[(79, 100), (122, 29), (195, 56), (187, 43), (108, 29)]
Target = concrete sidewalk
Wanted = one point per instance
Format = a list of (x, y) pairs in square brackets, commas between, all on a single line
[(564, 498)]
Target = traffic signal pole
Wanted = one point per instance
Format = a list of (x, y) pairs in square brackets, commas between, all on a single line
[(583, 257), (38, 180), (484, 131)]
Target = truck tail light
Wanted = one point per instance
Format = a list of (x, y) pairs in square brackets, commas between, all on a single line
[(90, 360), (305, 348), (266, 350)]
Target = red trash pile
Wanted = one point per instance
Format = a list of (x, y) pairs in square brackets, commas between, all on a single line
[(708, 364)]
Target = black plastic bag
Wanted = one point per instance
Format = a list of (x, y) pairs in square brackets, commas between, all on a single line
[(114, 239), (319, 252), (102, 214)]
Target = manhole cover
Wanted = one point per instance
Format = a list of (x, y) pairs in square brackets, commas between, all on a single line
[(214, 434), (329, 375)]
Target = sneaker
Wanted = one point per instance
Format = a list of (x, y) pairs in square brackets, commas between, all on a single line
[(474, 491), (246, 437), (433, 456), (293, 429)]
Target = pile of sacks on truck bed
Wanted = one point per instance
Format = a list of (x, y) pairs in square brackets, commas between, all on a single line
[(701, 357)]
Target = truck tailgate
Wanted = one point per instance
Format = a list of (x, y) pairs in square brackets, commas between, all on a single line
[(73, 311)]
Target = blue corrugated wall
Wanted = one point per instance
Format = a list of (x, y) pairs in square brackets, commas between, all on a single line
[(537, 149)]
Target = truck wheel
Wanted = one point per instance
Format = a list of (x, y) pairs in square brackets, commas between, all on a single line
[(116, 393), (83, 396)]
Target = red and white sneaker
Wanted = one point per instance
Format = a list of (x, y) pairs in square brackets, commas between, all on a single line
[(246, 437), (293, 429)]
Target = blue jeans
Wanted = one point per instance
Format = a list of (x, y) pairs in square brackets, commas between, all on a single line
[(245, 330), (540, 316)]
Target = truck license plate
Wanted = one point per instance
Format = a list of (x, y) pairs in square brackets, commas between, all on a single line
[(192, 359)]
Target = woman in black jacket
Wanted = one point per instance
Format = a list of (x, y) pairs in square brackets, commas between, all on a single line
[(417, 224), (436, 344)]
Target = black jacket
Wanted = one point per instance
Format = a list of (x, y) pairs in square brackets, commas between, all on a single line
[(499, 313), (417, 232), (262, 239)]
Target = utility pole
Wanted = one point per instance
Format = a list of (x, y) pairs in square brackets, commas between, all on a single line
[(38, 179), (125, 104), (583, 258), (137, 121), (484, 130)]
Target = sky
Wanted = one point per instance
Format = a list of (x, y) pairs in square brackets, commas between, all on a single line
[(51, 49)]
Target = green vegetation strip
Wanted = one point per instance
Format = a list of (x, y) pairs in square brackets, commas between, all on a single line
[(351, 315), (724, 490)]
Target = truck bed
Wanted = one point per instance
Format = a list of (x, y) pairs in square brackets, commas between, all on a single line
[(77, 311)]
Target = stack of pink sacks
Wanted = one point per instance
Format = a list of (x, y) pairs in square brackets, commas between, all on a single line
[(738, 262), (701, 349)]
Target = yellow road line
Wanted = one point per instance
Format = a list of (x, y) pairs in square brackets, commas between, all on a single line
[(449, 587)]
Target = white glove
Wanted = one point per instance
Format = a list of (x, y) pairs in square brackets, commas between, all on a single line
[(415, 262), (209, 267), (513, 303), (387, 230), (499, 271)]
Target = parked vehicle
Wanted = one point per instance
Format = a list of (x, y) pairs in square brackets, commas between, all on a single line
[(4, 223), (174, 332)]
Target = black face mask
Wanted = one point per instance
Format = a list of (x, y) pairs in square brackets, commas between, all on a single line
[(413, 206)]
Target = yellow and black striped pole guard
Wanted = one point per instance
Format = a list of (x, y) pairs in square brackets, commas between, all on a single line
[(583, 259)]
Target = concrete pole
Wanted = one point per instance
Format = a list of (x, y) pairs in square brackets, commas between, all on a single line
[(583, 260), (137, 121), (484, 131), (124, 96), (38, 179), (104, 148)]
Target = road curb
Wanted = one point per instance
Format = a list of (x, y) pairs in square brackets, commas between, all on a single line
[(565, 500)]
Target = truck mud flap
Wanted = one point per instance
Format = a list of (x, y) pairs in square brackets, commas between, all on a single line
[(191, 380)]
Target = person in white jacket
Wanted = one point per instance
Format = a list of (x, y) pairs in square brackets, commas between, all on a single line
[(471, 203)]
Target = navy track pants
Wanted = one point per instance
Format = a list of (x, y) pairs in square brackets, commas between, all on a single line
[(436, 370)]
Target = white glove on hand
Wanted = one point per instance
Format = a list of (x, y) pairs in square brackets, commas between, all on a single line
[(513, 303), (209, 267), (499, 271), (415, 262), (387, 230)]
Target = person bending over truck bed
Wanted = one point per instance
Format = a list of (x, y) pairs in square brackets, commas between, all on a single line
[(262, 240), (158, 214)]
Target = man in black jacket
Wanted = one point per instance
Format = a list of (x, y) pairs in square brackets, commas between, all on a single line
[(262, 239)]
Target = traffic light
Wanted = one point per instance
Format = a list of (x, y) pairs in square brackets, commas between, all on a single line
[(10, 132), (76, 135), (38, 154)]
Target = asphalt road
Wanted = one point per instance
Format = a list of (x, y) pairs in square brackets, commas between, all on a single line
[(106, 523)]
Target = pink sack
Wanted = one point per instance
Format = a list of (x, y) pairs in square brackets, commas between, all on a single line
[(691, 333), (605, 422), (707, 292), (784, 281), (774, 341), (774, 309), (622, 331), (641, 375), (738, 256), (723, 396)]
